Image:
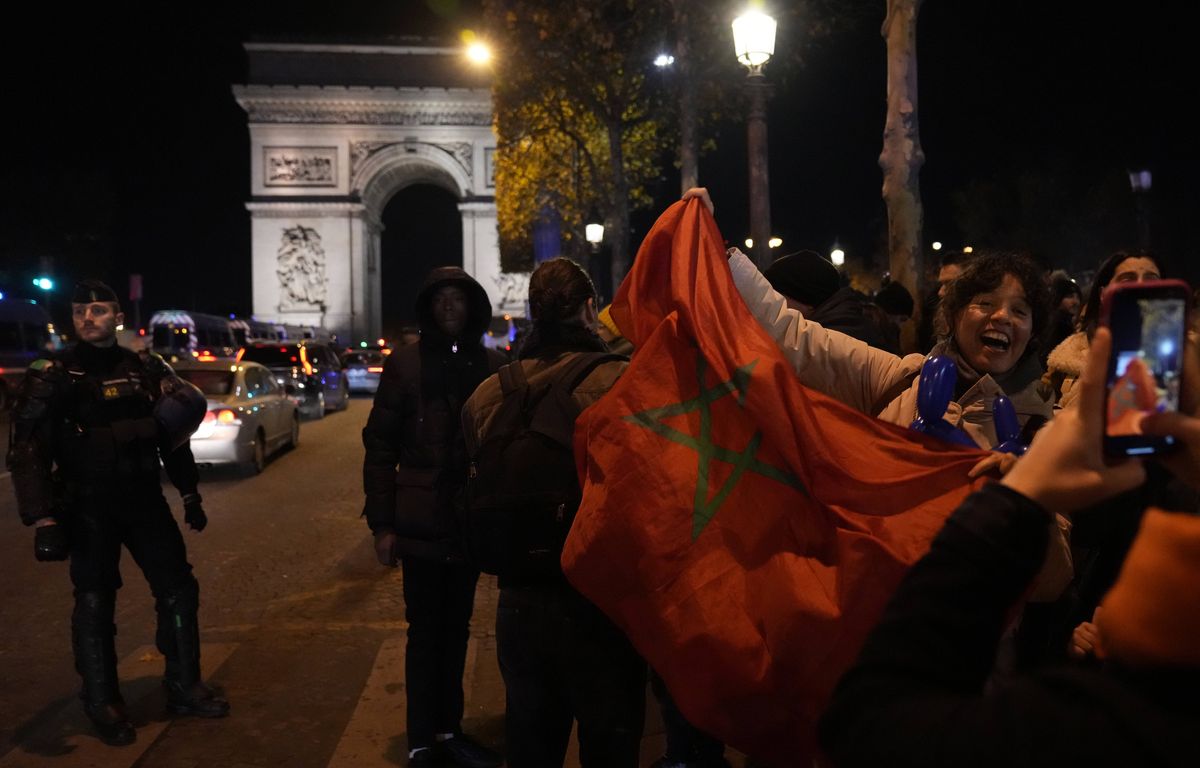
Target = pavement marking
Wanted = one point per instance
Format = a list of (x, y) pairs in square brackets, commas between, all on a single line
[(372, 737), (67, 739), (380, 714)]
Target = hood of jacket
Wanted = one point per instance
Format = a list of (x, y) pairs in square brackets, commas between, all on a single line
[(479, 307)]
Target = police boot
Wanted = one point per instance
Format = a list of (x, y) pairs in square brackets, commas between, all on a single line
[(92, 632), (178, 639)]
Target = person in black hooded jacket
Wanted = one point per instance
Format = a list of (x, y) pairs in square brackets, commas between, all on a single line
[(413, 472)]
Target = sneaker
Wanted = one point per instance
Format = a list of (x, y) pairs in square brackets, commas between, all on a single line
[(465, 752), (111, 723)]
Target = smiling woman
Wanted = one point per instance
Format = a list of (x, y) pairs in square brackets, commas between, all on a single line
[(995, 308)]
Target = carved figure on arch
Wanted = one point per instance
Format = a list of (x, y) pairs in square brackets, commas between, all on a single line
[(301, 270)]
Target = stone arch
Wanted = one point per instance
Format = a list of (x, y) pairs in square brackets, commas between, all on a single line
[(393, 168)]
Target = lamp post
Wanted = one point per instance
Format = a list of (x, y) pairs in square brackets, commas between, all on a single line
[(593, 232), (754, 44)]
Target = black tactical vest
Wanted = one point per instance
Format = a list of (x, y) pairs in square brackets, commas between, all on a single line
[(108, 434)]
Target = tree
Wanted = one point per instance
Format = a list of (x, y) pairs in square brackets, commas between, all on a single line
[(902, 156), (579, 124)]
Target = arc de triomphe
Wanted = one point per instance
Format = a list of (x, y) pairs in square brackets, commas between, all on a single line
[(335, 131)]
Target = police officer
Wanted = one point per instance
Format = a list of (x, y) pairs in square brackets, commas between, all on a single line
[(89, 427)]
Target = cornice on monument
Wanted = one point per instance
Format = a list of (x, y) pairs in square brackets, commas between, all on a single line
[(360, 105)]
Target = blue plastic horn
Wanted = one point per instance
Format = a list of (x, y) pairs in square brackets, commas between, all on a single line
[(1008, 429), (938, 377)]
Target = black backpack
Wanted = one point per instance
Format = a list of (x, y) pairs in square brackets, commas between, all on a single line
[(523, 489)]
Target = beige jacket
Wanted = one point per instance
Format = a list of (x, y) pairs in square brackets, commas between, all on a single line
[(1064, 366), (867, 379), (481, 406)]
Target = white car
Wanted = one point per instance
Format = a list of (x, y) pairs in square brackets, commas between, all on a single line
[(250, 416)]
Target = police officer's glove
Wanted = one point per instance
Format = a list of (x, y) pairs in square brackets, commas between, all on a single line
[(50, 543), (193, 513)]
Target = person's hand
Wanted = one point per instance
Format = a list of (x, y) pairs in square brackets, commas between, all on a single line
[(1184, 462), (385, 548), (995, 461), (50, 542), (1085, 640), (702, 193), (1064, 469), (193, 514)]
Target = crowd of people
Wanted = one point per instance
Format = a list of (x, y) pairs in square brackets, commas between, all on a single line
[(1054, 620)]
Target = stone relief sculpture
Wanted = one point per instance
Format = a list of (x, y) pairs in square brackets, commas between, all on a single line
[(301, 270), (513, 289)]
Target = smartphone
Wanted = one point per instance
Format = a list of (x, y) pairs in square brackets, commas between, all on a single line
[(1149, 326)]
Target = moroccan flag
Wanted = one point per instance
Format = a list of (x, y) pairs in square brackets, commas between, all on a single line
[(744, 531)]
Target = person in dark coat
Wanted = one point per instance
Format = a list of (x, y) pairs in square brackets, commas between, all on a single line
[(414, 471), (915, 696), (813, 287)]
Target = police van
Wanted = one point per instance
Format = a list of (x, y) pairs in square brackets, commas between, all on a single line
[(26, 333), (175, 333)]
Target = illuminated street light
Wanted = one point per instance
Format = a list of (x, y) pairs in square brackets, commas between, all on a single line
[(664, 60), (837, 256), (774, 242), (968, 249), (754, 44), (478, 52), (937, 245)]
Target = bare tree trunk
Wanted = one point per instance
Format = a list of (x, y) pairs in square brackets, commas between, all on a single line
[(902, 157), (689, 142), (619, 207)]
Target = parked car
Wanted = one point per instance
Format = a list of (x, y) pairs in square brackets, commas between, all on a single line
[(311, 367), (250, 415), (26, 332), (363, 368)]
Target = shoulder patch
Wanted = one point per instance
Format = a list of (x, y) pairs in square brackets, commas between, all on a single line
[(41, 364)]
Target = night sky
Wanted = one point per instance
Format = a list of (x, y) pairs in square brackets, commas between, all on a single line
[(127, 153)]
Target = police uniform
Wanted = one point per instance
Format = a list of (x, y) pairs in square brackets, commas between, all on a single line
[(84, 451)]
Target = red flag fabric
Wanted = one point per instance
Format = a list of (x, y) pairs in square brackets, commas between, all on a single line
[(744, 531)]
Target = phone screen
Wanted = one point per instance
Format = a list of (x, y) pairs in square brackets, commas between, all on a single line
[(1145, 371)]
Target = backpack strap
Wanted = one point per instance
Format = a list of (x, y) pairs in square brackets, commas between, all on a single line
[(552, 412), (512, 377), (581, 367)]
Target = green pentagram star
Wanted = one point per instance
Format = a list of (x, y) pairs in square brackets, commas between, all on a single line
[(708, 451)]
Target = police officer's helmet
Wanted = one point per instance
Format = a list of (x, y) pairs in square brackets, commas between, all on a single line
[(178, 412)]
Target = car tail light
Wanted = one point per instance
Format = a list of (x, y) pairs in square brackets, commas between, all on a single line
[(222, 416), (206, 357), (375, 369)]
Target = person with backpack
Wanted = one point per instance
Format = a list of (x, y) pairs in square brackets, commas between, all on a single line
[(562, 660), (414, 469)]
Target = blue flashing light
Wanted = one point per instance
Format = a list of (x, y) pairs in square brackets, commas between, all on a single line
[(45, 283), (1, 295)]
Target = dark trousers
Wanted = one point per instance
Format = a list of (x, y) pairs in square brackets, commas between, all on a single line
[(563, 661), (138, 518), (438, 600)]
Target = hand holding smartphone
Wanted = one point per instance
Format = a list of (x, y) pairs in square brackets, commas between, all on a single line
[(1148, 322)]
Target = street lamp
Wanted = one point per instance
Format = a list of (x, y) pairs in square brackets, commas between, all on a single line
[(754, 44), (594, 232), (837, 256)]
